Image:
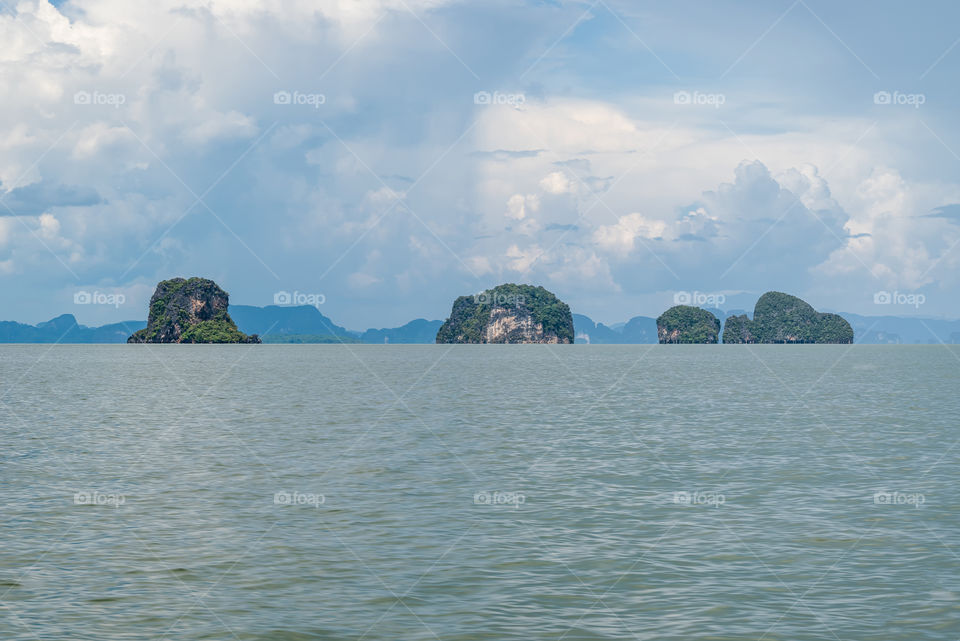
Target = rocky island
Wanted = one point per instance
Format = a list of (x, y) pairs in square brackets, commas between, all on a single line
[(686, 324), (508, 314), (190, 310), (782, 318)]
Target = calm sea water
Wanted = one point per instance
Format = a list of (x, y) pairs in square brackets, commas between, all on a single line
[(479, 492)]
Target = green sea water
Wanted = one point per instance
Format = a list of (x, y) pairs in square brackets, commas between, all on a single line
[(467, 493)]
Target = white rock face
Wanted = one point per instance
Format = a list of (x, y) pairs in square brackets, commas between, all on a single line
[(512, 325)]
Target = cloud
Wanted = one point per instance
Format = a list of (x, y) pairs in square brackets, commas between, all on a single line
[(890, 246), (622, 237), (504, 155), (519, 205), (698, 225), (49, 226), (521, 260), (742, 233), (362, 280), (119, 115), (947, 212), (221, 127), (556, 183), (39, 197)]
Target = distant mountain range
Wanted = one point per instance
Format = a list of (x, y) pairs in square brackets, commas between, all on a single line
[(306, 324), (65, 329), (416, 331), (882, 330), (302, 324), (302, 320), (637, 330)]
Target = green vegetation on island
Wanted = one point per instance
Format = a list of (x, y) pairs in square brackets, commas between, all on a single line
[(686, 324), (782, 318), (190, 310), (508, 313), (737, 329)]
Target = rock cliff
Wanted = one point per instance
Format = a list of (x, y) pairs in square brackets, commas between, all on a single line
[(508, 314), (190, 311)]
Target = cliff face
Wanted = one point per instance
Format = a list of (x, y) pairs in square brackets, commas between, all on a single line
[(513, 325), (686, 324), (508, 314), (781, 318), (190, 311)]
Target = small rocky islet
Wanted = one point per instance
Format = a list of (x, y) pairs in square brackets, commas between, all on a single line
[(686, 324), (190, 310)]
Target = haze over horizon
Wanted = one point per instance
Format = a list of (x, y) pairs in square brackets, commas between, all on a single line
[(395, 154)]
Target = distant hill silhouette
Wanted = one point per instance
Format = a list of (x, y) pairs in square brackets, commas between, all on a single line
[(639, 330), (870, 330), (306, 321), (416, 331), (65, 329), (301, 320)]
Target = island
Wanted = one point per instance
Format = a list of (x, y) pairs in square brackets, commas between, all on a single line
[(509, 313), (782, 318), (190, 310), (689, 325)]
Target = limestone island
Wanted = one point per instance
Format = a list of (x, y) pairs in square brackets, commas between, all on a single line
[(509, 314), (782, 318), (190, 310), (686, 324)]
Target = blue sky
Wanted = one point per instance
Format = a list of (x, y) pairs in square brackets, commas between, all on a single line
[(628, 151)]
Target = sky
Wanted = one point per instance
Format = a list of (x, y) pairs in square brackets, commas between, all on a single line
[(382, 157)]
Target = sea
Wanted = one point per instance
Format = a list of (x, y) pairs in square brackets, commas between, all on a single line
[(479, 492)]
